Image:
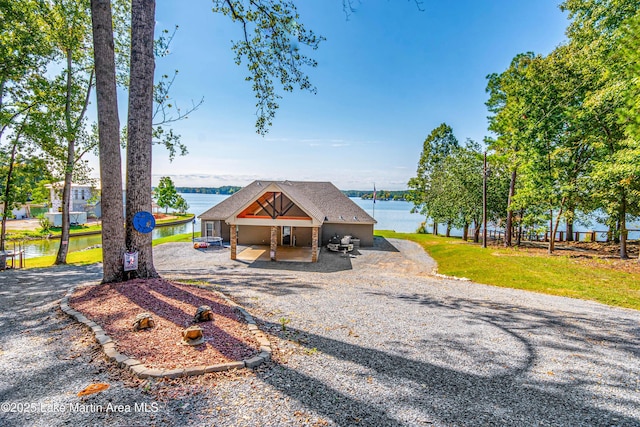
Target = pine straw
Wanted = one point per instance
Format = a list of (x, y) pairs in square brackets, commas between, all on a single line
[(173, 305)]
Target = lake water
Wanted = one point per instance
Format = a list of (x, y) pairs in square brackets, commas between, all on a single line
[(391, 215)]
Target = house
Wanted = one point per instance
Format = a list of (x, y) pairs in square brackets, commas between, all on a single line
[(81, 196), (289, 213), (20, 212), (82, 203)]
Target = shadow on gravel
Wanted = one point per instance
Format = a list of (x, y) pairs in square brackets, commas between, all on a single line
[(268, 283), (328, 262), (574, 330), (450, 397), (380, 244), (24, 290)]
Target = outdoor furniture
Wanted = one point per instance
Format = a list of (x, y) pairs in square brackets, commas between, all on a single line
[(337, 244)]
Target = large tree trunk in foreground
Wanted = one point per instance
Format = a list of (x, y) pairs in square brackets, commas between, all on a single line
[(139, 127), (109, 135)]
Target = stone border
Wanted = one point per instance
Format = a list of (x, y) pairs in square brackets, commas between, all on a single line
[(143, 371)]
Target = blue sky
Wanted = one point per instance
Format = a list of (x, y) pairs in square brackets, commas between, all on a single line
[(386, 77)]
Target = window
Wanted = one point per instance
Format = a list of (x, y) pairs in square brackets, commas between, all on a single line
[(75, 194), (209, 229)]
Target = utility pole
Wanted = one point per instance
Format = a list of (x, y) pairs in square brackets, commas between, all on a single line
[(484, 202)]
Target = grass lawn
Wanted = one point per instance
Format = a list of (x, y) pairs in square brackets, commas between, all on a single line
[(91, 256), (74, 229), (560, 275)]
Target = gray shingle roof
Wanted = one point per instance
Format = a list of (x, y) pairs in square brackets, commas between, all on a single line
[(320, 199)]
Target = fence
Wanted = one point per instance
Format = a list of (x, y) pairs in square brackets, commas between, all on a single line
[(561, 236)]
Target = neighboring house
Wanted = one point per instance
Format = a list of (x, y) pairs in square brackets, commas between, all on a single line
[(289, 213), (81, 197), (21, 212), (82, 201)]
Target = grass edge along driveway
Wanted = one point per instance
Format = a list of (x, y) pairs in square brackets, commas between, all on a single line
[(92, 256), (513, 268)]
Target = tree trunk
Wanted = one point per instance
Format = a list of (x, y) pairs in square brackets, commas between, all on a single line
[(569, 229), (448, 232), (139, 127), (63, 249), (623, 227), (476, 232), (509, 224), (615, 234), (435, 228), (7, 205), (465, 232), (113, 237), (61, 257), (554, 230), (552, 236), (610, 233)]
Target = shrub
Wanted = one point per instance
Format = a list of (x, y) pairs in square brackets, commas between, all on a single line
[(45, 224)]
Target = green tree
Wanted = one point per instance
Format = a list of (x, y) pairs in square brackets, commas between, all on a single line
[(557, 157), (181, 204), (599, 30), (271, 45), (507, 103), (627, 158), (425, 189), (166, 194), (271, 42), (66, 100), (544, 129), (463, 169), (21, 172), (629, 42), (24, 50)]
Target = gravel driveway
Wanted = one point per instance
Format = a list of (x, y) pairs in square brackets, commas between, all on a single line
[(371, 340)]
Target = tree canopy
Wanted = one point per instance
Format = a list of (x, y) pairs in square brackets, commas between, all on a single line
[(565, 127)]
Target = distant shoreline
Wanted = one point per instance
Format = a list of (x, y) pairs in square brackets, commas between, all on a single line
[(228, 190)]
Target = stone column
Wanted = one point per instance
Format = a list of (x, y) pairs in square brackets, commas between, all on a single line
[(274, 242), (314, 244), (234, 241)]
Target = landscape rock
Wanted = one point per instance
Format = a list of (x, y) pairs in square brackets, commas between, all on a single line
[(203, 314), (143, 321)]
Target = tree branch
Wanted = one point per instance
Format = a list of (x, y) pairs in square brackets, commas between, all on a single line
[(86, 101)]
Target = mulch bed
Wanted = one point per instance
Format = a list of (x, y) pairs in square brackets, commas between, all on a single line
[(173, 305)]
